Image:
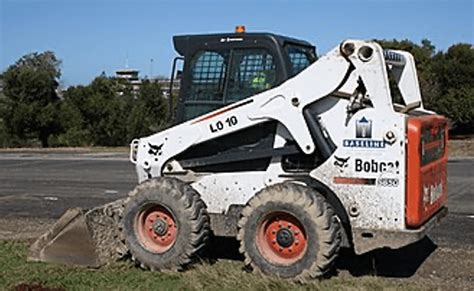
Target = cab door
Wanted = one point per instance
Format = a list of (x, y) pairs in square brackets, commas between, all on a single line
[(217, 77)]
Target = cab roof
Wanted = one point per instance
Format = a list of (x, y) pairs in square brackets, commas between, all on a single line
[(183, 43)]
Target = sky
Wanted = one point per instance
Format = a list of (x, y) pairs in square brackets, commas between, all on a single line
[(91, 37)]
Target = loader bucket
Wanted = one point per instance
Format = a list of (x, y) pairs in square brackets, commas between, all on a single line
[(87, 238)]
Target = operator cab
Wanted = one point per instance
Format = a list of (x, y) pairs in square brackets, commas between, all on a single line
[(220, 69)]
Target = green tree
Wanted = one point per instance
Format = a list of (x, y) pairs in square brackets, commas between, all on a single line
[(108, 112), (454, 72), (31, 102), (95, 114), (149, 111), (3, 133), (423, 54), (76, 130), (446, 79)]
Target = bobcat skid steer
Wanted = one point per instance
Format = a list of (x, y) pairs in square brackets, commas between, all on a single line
[(296, 157)]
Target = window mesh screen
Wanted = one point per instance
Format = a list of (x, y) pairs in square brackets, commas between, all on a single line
[(298, 58), (253, 71), (208, 75)]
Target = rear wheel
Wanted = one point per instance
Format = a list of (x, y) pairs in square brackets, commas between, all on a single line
[(290, 231), (165, 224)]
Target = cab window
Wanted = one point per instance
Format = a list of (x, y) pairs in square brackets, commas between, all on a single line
[(206, 88), (207, 76), (252, 71), (300, 57), (222, 77)]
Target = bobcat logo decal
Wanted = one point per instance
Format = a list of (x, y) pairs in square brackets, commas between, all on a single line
[(155, 150), (341, 163)]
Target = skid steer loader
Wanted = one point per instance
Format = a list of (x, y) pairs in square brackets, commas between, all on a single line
[(296, 157)]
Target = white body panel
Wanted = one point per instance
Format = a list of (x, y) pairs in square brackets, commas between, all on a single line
[(366, 171), (381, 202)]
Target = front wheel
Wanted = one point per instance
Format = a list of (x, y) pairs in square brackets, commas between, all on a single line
[(290, 231), (165, 224)]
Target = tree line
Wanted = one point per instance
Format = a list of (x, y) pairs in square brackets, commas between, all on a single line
[(446, 80), (108, 112)]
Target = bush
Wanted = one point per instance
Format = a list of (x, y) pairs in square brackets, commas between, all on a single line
[(30, 105), (108, 113)]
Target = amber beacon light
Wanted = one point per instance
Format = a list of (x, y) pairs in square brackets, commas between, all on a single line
[(240, 29)]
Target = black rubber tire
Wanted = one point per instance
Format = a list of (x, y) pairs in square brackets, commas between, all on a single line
[(189, 212), (315, 214)]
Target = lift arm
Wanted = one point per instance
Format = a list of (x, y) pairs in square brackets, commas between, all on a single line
[(347, 63)]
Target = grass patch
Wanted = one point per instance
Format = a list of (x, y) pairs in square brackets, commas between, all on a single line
[(15, 270), (223, 275)]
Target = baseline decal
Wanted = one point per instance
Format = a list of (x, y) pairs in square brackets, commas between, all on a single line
[(363, 128), (363, 134), (360, 143)]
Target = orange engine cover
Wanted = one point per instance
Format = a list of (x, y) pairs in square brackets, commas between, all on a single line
[(427, 159)]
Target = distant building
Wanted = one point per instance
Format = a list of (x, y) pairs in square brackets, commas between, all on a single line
[(131, 76), (165, 86), (128, 74)]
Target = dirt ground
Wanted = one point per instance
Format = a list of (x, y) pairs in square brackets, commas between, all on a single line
[(23, 228), (461, 147)]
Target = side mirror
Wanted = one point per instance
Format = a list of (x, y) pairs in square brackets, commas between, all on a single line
[(179, 74)]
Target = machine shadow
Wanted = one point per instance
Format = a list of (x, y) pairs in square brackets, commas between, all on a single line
[(220, 247), (400, 263)]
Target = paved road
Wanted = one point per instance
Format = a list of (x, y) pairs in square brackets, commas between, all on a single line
[(44, 186), (461, 186)]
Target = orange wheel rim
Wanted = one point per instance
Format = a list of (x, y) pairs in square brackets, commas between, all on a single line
[(281, 238), (156, 228)]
